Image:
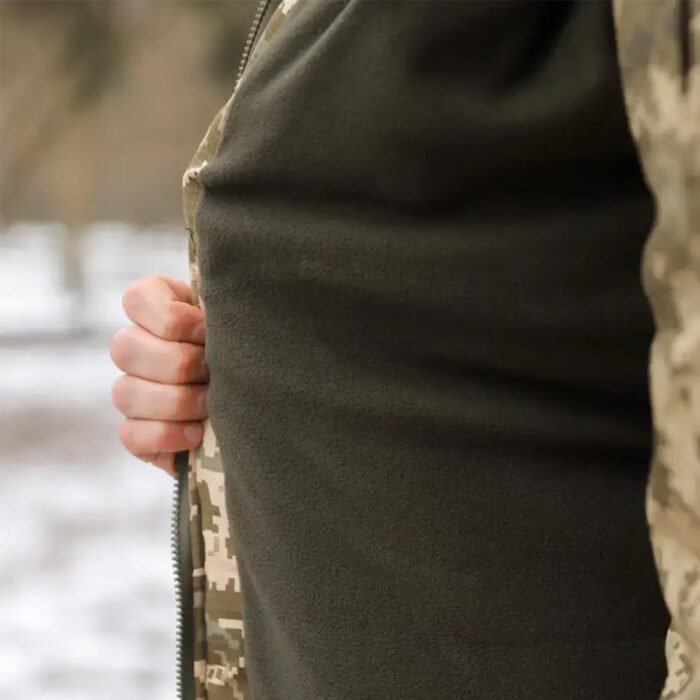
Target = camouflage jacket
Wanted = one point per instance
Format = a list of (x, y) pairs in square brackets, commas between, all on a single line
[(657, 42)]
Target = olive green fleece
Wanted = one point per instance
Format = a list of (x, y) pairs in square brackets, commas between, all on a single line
[(420, 241)]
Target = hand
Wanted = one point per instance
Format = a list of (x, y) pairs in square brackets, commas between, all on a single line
[(163, 391)]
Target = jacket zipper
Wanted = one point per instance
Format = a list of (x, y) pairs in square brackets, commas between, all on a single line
[(181, 600), (182, 464), (686, 58), (175, 551), (252, 35)]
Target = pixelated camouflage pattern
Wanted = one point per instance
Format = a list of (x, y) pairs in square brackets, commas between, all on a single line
[(219, 665), (219, 648), (663, 105)]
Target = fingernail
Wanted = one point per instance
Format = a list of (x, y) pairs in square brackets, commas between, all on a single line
[(193, 433)]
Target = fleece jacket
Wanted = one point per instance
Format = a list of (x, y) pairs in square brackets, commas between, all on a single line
[(420, 244)]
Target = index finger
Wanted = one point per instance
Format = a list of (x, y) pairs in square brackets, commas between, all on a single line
[(162, 306)]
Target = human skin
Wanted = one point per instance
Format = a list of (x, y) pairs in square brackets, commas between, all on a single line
[(163, 391)]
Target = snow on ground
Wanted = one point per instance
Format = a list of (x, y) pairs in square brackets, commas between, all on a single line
[(86, 586)]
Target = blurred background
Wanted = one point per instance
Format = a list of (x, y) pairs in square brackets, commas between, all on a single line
[(102, 104)]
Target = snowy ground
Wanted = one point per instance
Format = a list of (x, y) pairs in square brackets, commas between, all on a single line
[(86, 588)]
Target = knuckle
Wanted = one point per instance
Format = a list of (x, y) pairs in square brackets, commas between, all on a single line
[(181, 405), (133, 296), (119, 394), (127, 436), (161, 437), (118, 346), (171, 325), (184, 365)]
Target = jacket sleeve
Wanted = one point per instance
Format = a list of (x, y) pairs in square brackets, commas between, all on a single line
[(656, 45)]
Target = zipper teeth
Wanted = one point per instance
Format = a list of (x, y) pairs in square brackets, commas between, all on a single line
[(177, 492), (175, 549), (254, 27)]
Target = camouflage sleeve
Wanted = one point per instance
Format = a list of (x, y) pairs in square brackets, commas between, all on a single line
[(656, 43)]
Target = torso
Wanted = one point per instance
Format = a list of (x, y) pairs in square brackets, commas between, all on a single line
[(420, 241)]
